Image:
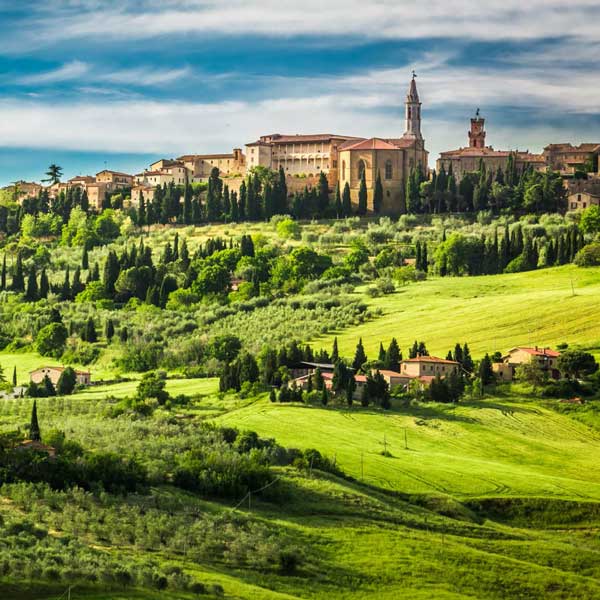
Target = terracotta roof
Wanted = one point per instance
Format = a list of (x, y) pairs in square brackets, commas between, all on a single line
[(538, 351), (370, 144), (187, 157), (277, 138), (113, 173), (87, 178), (431, 359), (567, 147), (389, 373), (488, 151), (59, 369)]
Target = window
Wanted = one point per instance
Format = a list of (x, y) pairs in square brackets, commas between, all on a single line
[(388, 169), (343, 169), (361, 168), (409, 112), (578, 197)]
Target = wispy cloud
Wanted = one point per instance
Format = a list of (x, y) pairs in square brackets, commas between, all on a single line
[(67, 72), (83, 72), (384, 19)]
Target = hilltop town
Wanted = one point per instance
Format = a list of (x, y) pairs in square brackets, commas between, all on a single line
[(346, 161)]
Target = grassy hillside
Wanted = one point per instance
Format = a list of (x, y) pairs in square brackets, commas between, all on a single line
[(491, 313), (495, 447)]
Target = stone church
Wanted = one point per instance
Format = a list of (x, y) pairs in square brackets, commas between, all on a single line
[(393, 158)]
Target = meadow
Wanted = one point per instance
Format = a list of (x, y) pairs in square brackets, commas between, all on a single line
[(491, 313)]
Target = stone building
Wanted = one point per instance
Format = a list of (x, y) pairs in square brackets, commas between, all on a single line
[(298, 155), (199, 166), (567, 158), (468, 159), (391, 158)]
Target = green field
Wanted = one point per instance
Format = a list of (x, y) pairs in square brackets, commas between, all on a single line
[(490, 313), (494, 448)]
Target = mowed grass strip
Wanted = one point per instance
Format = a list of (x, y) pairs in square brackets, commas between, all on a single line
[(492, 448), (491, 313)]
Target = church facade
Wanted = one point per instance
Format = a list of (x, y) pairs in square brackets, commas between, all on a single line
[(344, 158), (390, 158)]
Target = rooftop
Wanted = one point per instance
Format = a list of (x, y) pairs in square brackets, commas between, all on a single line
[(431, 359)]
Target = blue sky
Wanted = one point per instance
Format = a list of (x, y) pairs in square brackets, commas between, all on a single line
[(89, 83)]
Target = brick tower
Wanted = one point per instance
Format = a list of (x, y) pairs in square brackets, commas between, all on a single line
[(477, 133)]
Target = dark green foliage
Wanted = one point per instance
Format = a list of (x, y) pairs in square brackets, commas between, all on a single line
[(66, 382), (34, 427), (360, 357)]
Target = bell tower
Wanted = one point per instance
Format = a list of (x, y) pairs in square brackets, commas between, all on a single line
[(413, 111), (477, 133)]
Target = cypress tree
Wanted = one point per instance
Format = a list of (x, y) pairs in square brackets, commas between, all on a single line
[(65, 291), (360, 358), (362, 195), (109, 331), (34, 426), (324, 396), (323, 194), (381, 355), (424, 258), (14, 377), (3, 275), (31, 294), (76, 286), (111, 272), (418, 256), (90, 334), (18, 282), (393, 356), (346, 201), (187, 204), (378, 194), (85, 259), (44, 288), (335, 355), (48, 388), (339, 211)]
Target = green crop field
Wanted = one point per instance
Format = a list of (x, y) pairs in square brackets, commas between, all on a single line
[(490, 313)]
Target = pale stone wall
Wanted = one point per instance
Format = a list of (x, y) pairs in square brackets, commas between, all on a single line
[(582, 200)]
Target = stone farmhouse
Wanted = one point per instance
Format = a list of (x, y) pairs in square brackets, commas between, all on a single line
[(582, 200), (422, 369), (546, 358), (54, 373)]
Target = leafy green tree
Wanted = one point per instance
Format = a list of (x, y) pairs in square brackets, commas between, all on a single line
[(590, 220), (66, 382), (532, 373), (152, 385), (485, 372), (51, 339), (576, 363)]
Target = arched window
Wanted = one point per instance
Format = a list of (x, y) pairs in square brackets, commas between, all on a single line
[(343, 169), (361, 168), (388, 169), (409, 112)]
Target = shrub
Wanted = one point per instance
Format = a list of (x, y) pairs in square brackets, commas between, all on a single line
[(588, 256), (51, 339)]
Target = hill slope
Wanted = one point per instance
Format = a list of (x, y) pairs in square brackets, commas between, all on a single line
[(491, 448), (494, 312)]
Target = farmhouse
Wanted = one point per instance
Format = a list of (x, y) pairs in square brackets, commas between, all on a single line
[(54, 373), (582, 200), (428, 366), (546, 358), (36, 446)]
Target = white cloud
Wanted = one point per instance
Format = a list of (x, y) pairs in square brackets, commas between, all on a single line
[(384, 19)]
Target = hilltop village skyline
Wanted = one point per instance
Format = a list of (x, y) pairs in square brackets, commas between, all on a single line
[(345, 160)]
